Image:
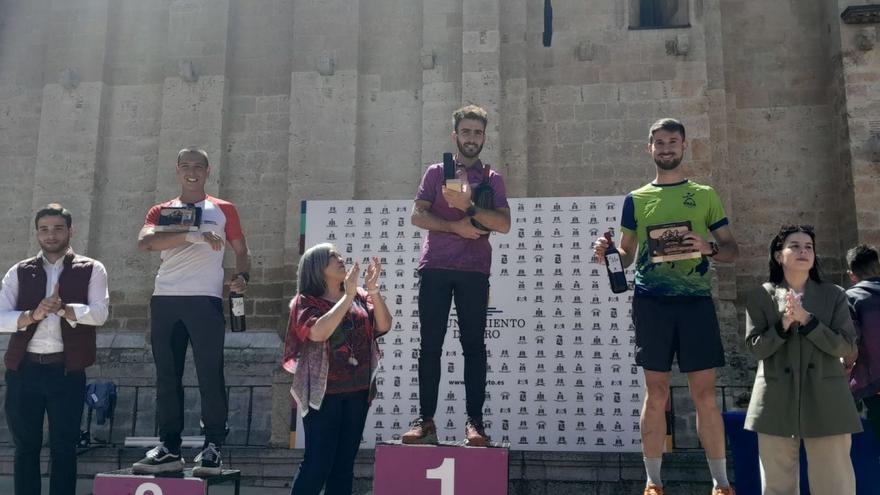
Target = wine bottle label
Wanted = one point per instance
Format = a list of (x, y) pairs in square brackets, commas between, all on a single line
[(237, 306), (614, 263)]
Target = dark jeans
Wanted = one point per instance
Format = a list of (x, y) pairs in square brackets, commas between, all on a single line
[(176, 321), (32, 391), (470, 291), (333, 436), (872, 404)]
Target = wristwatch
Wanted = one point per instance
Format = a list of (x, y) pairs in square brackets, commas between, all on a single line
[(471, 210), (714, 247), (245, 275), (61, 312)]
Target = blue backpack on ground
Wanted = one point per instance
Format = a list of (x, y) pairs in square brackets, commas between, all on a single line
[(101, 397)]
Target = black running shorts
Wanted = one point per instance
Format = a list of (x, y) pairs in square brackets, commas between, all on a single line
[(682, 327)]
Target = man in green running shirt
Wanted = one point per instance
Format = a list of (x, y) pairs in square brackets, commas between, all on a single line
[(673, 312)]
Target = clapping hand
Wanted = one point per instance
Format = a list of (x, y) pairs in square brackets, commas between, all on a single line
[(49, 305), (351, 280), (371, 275), (794, 311)]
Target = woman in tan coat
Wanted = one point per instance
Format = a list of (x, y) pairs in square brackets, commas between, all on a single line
[(799, 327)]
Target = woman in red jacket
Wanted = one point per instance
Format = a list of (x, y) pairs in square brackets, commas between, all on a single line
[(331, 350)]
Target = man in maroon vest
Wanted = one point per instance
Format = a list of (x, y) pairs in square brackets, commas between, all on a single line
[(51, 304)]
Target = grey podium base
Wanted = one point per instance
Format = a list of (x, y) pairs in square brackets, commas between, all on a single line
[(224, 476)]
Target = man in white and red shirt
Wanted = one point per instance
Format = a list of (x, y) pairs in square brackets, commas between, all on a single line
[(187, 306)]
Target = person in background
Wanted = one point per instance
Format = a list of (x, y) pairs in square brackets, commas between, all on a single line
[(799, 328), (863, 262), (331, 350)]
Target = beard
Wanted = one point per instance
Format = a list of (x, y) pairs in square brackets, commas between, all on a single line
[(60, 247), (670, 165), (468, 154)]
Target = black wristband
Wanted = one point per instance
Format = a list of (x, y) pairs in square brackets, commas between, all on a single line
[(780, 330), (471, 210), (810, 326)]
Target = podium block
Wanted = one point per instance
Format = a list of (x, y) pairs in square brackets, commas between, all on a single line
[(123, 482), (445, 469)]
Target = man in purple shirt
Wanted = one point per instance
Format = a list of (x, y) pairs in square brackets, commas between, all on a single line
[(454, 265)]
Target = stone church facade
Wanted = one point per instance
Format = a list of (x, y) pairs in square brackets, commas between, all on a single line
[(323, 99)]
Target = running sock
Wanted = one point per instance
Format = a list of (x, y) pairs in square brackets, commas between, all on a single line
[(718, 470), (652, 468)]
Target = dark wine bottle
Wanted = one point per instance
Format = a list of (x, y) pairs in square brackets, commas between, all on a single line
[(448, 167), (616, 275), (236, 312)]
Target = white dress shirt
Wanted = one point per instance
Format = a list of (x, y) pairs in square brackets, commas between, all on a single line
[(47, 338)]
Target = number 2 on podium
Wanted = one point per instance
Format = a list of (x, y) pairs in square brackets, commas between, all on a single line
[(445, 472), (151, 488)]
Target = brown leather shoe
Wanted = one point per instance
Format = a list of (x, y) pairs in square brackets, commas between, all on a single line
[(423, 431), (475, 433), (653, 490)]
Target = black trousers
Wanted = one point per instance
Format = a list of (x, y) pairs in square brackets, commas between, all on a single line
[(470, 291), (872, 404), (175, 322), (32, 391), (333, 436)]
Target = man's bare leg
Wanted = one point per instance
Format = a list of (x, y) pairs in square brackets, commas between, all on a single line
[(653, 423), (710, 427)]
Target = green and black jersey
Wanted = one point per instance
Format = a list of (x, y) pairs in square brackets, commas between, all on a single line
[(655, 204)]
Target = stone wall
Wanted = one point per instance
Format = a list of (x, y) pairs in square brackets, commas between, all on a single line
[(860, 83)]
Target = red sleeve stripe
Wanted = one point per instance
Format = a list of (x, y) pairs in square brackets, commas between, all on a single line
[(153, 215), (233, 222)]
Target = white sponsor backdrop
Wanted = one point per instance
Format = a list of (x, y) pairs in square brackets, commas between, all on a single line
[(561, 373)]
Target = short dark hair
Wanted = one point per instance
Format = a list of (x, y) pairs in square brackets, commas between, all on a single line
[(310, 272), (471, 112), (776, 273), (863, 261), (193, 151), (54, 210), (667, 124)]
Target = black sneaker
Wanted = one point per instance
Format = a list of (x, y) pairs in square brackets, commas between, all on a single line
[(208, 462), (158, 460)]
